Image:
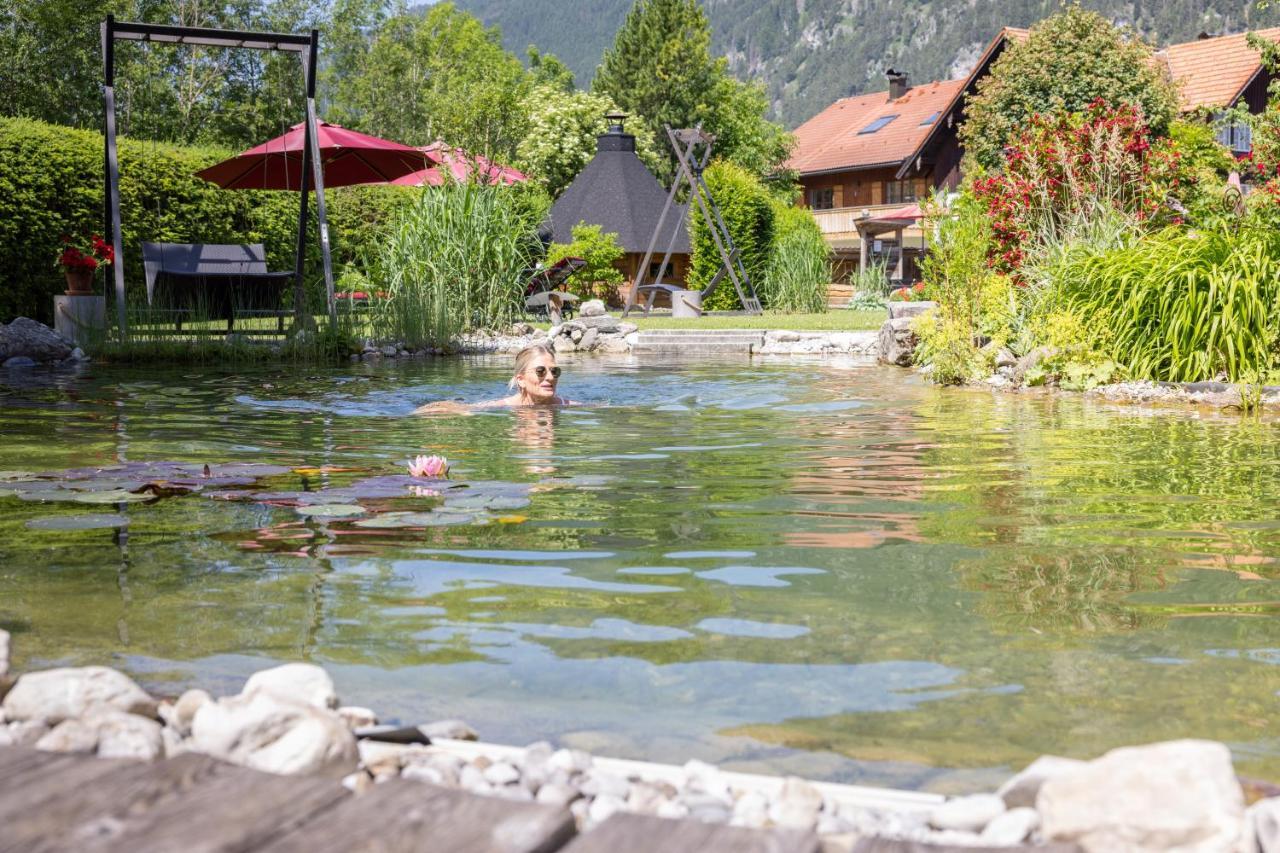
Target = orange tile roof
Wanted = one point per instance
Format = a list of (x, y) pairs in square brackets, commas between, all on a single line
[(830, 140), (1213, 72)]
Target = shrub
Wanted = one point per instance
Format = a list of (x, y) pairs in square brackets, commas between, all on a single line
[(454, 260), (945, 346), (600, 250), (799, 268), (51, 184), (748, 214), (955, 268)]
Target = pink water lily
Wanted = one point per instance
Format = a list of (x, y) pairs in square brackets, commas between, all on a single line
[(431, 467)]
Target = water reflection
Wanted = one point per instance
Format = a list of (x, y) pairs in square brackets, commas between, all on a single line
[(821, 564)]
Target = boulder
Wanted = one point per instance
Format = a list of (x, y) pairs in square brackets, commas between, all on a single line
[(1178, 795), (63, 694), (27, 338), (797, 805), (1031, 360), (449, 729), (69, 736), (592, 308), (898, 310), (1011, 828), (1264, 818), (588, 339), (967, 814), (357, 717), (897, 342), (627, 328), (184, 710), (274, 734), (301, 682), (122, 735), (1021, 789), (615, 344), (18, 362), (604, 323)]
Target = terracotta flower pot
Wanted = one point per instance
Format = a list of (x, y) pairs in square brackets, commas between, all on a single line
[(79, 281)]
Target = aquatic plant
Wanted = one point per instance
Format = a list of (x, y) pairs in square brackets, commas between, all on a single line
[(432, 467)]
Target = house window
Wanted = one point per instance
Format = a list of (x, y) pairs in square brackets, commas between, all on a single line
[(1236, 136), (823, 199), (899, 192), (656, 271), (877, 124)]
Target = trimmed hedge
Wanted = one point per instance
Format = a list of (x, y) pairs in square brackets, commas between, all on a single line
[(748, 214), (51, 184)]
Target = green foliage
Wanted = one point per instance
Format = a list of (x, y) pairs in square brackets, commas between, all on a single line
[(1203, 165), (660, 68), (945, 346), (600, 251), (798, 272), (546, 69), (1069, 61), (1183, 305), (749, 215), (955, 268), (51, 184), (561, 136), (454, 260), (438, 75)]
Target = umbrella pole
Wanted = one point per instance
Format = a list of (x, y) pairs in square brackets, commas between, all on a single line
[(300, 264), (317, 169), (113, 169)]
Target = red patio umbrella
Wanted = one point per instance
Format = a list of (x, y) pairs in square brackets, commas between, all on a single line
[(910, 213), (348, 157), (459, 164)]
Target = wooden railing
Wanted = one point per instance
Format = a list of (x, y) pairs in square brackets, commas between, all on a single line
[(840, 220)]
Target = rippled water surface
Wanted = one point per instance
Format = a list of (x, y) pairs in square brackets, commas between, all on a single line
[(825, 568)]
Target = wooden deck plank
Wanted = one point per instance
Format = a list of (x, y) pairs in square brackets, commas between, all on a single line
[(633, 833), (58, 823), (414, 816), (227, 808), (58, 776), (15, 760), (890, 845)]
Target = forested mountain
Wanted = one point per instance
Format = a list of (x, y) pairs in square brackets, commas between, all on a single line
[(810, 52)]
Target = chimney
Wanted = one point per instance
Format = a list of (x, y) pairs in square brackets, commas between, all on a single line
[(898, 85), (615, 138)]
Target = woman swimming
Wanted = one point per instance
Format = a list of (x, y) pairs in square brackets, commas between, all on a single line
[(533, 384)]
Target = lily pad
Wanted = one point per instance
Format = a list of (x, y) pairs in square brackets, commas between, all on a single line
[(387, 521), (111, 496), (439, 519), (17, 476), (330, 510), (88, 521)]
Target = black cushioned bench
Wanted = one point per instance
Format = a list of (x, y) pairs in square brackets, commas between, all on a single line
[(214, 281)]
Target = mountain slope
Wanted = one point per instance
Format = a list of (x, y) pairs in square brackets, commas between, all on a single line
[(811, 52)]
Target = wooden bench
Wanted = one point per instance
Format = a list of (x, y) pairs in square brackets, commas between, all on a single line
[(194, 281)]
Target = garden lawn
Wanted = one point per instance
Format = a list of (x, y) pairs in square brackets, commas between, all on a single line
[(838, 320)]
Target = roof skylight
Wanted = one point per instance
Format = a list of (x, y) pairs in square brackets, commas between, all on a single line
[(877, 124), (930, 118)]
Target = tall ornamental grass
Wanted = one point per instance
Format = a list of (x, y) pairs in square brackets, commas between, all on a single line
[(798, 271), (452, 261), (1184, 305)]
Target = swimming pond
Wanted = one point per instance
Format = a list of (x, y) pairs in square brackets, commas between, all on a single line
[(825, 568)]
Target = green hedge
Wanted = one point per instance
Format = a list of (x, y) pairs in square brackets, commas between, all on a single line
[(51, 183), (748, 214)]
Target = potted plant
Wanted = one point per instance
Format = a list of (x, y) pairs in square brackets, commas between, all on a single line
[(79, 262)]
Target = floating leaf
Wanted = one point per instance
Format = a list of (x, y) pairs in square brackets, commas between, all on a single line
[(17, 476), (90, 521), (330, 510), (112, 496), (438, 519), (387, 521)]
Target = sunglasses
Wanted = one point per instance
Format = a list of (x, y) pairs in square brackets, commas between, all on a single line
[(541, 371)]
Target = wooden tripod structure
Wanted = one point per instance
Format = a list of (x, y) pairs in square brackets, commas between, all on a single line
[(307, 47), (691, 163)]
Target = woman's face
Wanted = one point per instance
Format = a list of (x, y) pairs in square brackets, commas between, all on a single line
[(539, 389)]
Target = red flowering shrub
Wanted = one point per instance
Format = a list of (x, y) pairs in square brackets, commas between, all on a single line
[(77, 256), (1068, 166)]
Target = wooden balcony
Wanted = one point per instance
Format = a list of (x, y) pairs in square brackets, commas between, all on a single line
[(839, 221)]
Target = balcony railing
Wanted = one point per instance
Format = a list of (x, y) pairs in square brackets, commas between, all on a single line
[(842, 220)]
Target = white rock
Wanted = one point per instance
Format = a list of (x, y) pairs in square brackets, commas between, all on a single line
[(184, 710), (1179, 795), (592, 308), (297, 682), (797, 804), (449, 730), (588, 339), (570, 760), (557, 795), (752, 810), (173, 743), (1021, 789), (69, 736), (6, 739), (706, 778), (967, 814), (1012, 827), (672, 809), (357, 717), (266, 732), (1264, 816), (501, 773), (122, 735), (27, 732), (625, 329), (645, 797), (471, 778), (423, 773), (358, 782), (602, 808), (599, 783), (62, 694), (4, 653)]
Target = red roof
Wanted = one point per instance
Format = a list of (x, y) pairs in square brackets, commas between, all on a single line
[(1213, 72), (832, 140)]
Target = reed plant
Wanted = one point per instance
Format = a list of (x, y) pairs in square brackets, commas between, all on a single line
[(453, 260), (798, 271)]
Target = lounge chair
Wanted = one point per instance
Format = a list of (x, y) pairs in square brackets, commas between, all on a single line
[(542, 293), (214, 281)]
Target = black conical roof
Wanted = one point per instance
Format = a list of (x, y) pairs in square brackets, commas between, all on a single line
[(617, 192)]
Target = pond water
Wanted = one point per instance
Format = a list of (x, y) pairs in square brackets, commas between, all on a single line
[(825, 568)]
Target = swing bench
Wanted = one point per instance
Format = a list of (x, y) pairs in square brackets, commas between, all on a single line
[(199, 281)]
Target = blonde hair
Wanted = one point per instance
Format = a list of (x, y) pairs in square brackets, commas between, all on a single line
[(527, 355)]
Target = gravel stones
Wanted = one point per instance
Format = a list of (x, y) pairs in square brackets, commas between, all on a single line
[(62, 694)]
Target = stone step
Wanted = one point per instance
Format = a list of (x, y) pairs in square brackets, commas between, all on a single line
[(696, 337), (696, 347), (708, 341)]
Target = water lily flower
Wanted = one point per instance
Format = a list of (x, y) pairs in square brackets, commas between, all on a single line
[(431, 467)]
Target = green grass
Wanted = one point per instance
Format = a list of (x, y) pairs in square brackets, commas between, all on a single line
[(838, 320)]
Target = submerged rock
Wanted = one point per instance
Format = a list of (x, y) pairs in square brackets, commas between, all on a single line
[(63, 694), (1179, 795)]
